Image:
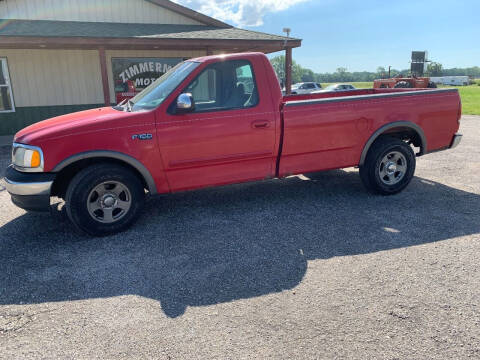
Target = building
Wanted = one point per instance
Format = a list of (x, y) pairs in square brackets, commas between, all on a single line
[(60, 56)]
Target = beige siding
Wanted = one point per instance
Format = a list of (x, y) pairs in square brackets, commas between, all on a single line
[(146, 54), (54, 77), (125, 11), (67, 77)]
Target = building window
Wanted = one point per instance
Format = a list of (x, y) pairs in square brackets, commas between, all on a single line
[(6, 97)]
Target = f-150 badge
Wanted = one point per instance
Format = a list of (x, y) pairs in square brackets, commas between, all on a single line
[(142, 137)]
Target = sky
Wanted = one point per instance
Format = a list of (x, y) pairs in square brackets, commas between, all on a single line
[(361, 35)]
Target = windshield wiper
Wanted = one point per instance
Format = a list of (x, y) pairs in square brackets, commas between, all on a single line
[(129, 105), (119, 106)]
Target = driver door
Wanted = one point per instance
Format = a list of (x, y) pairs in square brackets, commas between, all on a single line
[(230, 134)]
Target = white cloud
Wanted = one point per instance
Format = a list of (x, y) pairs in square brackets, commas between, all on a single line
[(239, 12)]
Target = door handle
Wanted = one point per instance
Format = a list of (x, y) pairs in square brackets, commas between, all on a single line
[(261, 124)]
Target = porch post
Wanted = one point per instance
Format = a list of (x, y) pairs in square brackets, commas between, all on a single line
[(103, 70), (288, 70)]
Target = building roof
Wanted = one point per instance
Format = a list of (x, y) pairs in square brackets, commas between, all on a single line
[(48, 28), (28, 34)]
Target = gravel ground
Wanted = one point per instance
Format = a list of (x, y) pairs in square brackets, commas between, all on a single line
[(307, 267)]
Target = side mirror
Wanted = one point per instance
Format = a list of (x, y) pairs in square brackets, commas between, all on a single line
[(185, 103)]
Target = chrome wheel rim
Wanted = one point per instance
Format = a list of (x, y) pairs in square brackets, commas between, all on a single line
[(393, 168), (109, 201)]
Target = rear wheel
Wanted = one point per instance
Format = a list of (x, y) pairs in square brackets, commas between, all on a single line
[(402, 84), (104, 199), (389, 166), (432, 85)]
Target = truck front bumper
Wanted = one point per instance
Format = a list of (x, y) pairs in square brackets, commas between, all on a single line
[(29, 191), (456, 140)]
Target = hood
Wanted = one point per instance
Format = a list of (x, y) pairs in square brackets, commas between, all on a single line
[(75, 123)]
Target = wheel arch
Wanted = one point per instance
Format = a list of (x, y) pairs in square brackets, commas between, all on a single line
[(397, 128), (87, 158)]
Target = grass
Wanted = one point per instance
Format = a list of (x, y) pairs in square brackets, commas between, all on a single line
[(470, 95), (362, 85)]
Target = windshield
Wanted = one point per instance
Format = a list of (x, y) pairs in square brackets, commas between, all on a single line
[(153, 95)]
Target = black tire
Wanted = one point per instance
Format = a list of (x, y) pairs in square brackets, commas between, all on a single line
[(402, 84), (432, 85), (371, 170), (81, 191)]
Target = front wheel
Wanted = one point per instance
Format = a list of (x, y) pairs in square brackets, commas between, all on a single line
[(389, 166), (104, 199)]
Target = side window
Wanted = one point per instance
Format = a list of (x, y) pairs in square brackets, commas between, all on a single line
[(224, 86), (6, 97), (204, 87)]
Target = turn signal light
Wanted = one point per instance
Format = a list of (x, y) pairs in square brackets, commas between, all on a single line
[(35, 161)]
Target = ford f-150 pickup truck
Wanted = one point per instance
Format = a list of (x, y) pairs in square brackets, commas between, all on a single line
[(219, 120)]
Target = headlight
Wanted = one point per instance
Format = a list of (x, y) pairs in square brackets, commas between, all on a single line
[(27, 158)]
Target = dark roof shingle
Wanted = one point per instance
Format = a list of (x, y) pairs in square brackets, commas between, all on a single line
[(48, 28)]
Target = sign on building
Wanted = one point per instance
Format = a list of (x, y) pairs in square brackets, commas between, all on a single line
[(132, 75)]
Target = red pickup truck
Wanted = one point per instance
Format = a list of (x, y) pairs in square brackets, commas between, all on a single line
[(219, 120)]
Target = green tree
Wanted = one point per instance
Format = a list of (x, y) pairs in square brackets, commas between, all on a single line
[(308, 75), (278, 64), (341, 75), (434, 69), (299, 74), (381, 72)]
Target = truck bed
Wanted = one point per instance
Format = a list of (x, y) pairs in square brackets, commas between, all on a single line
[(329, 130)]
